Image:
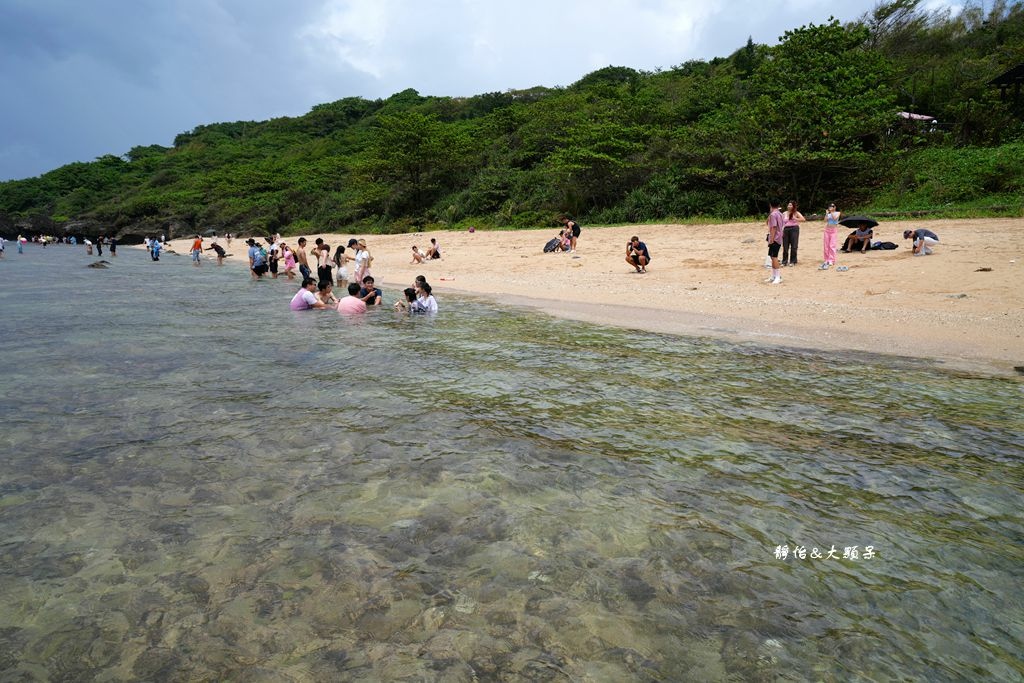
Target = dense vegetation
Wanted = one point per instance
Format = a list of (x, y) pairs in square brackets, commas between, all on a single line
[(813, 118)]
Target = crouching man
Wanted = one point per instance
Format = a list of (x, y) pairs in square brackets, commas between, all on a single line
[(923, 240)]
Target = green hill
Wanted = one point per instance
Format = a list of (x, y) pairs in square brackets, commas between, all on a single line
[(814, 118)]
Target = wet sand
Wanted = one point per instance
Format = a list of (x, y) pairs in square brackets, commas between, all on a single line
[(708, 280)]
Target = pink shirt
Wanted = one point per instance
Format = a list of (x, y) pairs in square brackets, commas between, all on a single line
[(351, 304), (775, 220), (303, 300)]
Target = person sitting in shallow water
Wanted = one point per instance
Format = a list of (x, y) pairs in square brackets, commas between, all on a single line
[(410, 298), (305, 299), (325, 293), (425, 302), (352, 303)]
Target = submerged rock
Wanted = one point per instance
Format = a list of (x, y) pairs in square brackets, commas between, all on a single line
[(99, 264)]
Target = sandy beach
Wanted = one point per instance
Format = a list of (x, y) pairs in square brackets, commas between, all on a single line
[(962, 307)]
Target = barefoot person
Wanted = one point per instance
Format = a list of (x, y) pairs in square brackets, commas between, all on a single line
[(637, 254), (574, 231)]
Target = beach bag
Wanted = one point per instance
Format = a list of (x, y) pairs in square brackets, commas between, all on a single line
[(551, 245)]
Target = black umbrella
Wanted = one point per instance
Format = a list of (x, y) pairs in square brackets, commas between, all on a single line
[(858, 221)]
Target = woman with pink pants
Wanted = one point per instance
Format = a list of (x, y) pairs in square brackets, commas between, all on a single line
[(829, 237)]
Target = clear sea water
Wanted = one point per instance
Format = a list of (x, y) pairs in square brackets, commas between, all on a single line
[(197, 483)]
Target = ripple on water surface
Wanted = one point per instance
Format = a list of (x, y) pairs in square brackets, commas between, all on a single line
[(200, 484)]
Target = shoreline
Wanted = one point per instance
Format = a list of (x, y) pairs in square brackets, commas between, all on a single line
[(707, 281)]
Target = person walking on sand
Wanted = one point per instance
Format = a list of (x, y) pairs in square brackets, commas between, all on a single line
[(923, 241), (829, 237), (574, 229), (637, 254), (791, 233), (775, 228)]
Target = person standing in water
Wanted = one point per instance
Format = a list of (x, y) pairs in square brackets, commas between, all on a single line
[(197, 250), (303, 259)]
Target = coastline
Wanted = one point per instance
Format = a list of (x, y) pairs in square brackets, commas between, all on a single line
[(708, 280)]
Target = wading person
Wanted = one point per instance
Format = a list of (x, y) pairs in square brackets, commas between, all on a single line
[(197, 250), (257, 260), (305, 298), (370, 294), (303, 259), (352, 303), (219, 250)]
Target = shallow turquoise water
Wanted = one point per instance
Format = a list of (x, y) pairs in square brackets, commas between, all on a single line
[(199, 484)]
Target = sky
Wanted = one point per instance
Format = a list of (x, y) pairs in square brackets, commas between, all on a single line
[(85, 78)]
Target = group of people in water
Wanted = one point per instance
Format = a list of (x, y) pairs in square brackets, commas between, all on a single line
[(784, 236), (277, 257)]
